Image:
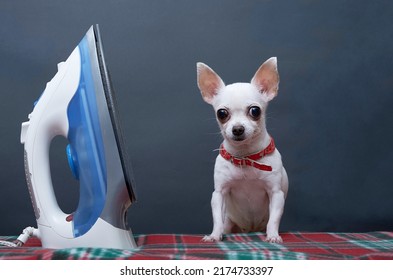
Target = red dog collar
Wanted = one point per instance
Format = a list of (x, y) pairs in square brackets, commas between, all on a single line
[(250, 160)]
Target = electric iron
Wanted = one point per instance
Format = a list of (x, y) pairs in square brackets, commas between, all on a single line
[(79, 104)]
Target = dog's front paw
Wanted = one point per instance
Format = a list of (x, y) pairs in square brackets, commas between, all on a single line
[(211, 238), (274, 239)]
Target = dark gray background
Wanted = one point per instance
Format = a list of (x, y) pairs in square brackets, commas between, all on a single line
[(332, 120)]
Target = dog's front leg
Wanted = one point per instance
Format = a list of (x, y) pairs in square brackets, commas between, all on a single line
[(276, 209), (217, 204)]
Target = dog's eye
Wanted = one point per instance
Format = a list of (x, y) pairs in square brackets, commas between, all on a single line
[(222, 114), (255, 112)]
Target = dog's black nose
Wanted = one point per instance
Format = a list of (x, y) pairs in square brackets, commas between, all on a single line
[(238, 130)]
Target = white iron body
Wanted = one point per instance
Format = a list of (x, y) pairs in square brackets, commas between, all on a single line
[(48, 120)]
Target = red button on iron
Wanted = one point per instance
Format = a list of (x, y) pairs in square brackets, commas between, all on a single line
[(70, 217)]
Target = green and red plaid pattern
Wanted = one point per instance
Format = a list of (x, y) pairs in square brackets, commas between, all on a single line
[(296, 246)]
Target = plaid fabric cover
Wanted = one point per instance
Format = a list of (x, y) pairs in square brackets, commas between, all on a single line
[(297, 245)]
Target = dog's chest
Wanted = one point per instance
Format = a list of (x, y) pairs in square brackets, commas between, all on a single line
[(244, 190), (247, 203)]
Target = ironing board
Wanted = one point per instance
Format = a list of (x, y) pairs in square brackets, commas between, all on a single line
[(296, 246)]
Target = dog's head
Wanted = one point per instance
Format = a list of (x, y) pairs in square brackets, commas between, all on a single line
[(240, 107)]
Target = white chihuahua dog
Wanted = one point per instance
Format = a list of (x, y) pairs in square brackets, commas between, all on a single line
[(250, 182)]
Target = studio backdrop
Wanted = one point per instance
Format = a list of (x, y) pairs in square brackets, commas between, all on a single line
[(332, 119)]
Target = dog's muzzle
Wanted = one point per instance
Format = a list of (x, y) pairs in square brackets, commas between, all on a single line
[(238, 133)]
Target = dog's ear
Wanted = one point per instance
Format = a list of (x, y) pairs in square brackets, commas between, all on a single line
[(209, 82), (266, 78)]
